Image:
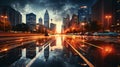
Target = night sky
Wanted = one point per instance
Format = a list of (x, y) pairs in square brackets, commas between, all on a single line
[(57, 8)]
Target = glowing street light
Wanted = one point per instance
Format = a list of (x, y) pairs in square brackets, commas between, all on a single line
[(106, 50), (82, 24), (108, 17)]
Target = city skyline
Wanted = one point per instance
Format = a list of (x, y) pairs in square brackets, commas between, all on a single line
[(57, 9), (59, 33)]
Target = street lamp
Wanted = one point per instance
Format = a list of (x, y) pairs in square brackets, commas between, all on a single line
[(108, 17), (4, 17)]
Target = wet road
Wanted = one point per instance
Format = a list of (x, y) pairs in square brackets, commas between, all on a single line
[(60, 51)]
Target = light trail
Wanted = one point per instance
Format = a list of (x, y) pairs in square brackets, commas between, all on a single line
[(88, 62), (93, 45)]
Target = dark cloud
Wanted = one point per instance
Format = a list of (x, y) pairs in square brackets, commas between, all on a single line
[(54, 4), (62, 7)]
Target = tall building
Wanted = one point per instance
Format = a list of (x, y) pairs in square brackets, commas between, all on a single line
[(40, 21), (67, 24), (52, 26), (74, 20), (66, 21), (13, 16), (116, 16), (83, 14), (31, 21), (102, 12), (46, 19)]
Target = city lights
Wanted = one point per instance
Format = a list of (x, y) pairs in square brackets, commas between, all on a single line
[(5, 49), (4, 18), (106, 50), (59, 33)]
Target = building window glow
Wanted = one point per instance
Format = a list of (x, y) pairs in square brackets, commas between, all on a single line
[(118, 24)]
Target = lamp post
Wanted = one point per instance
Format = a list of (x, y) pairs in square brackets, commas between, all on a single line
[(4, 18), (108, 17)]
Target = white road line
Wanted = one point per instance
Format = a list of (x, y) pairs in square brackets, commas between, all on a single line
[(33, 60), (88, 62), (93, 45)]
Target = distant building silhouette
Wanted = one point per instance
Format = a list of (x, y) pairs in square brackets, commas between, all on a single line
[(13, 16), (66, 21), (40, 21), (31, 21), (46, 19), (52, 26)]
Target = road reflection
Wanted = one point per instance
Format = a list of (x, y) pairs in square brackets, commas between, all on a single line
[(61, 51), (58, 43), (21, 55)]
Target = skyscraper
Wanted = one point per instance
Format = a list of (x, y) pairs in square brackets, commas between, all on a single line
[(116, 16), (13, 16), (46, 19), (40, 21), (31, 21), (83, 14), (102, 11), (66, 21), (74, 20)]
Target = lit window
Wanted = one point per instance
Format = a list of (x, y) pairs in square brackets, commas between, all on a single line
[(118, 24)]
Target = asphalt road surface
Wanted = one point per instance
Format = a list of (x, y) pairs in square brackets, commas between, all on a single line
[(59, 51)]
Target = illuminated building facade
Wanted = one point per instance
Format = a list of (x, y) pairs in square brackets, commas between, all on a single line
[(83, 14), (115, 27), (102, 13)]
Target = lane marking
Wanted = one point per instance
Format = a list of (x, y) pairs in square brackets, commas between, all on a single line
[(88, 62), (93, 45), (33, 60)]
